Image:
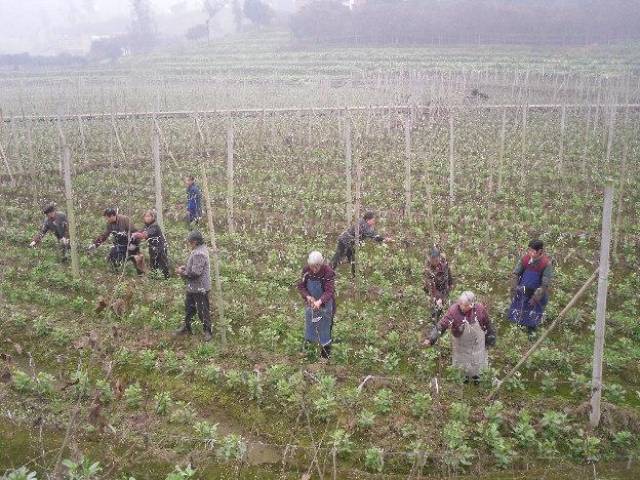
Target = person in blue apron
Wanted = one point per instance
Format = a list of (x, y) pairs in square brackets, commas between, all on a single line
[(194, 200), (317, 288), (530, 283)]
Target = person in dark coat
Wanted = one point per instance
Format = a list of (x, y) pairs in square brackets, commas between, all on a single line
[(530, 282), (347, 240), (125, 247), (438, 283), (152, 233), (317, 289), (194, 200), (197, 275), (55, 222)]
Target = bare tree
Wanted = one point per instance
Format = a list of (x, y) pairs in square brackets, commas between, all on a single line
[(143, 29), (212, 8)]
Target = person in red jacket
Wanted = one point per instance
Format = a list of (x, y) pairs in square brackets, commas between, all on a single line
[(317, 289), (472, 332)]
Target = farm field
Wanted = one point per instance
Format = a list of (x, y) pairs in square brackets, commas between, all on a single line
[(478, 176)]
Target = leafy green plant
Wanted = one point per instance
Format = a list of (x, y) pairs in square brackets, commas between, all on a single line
[(458, 454), (460, 412), (383, 401), (420, 404), (554, 424), (22, 473), (104, 389), (22, 381), (524, 433), (45, 384), (341, 443), (163, 402), (366, 419), (82, 384), (374, 459), (148, 360), (232, 447), (324, 406), (493, 412), (133, 396), (207, 433), (585, 447), (181, 474), (183, 413), (81, 470)]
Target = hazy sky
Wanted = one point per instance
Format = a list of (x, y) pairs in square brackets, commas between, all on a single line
[(52, 26)]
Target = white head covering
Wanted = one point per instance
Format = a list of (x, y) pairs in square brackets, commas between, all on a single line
[(315, 258), (467, 297)]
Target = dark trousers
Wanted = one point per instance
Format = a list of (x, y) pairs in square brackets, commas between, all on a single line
[(344, 250), (159, 260), (119, 254), (197, 302)]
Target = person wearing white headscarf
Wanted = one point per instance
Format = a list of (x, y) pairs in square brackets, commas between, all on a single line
[(317, 289), (472, 332)]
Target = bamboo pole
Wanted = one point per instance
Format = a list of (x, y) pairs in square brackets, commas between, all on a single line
[(503, 137), (407, 168), (118, 141), (553, 325), (563, 119), (356, 245), (348, 169), (601, 308), (157, 170), (452, 186), (230, 142), (68, 191), (222, 328), (7, 166)]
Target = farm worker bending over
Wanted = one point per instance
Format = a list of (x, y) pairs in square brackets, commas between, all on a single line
[(530, 287), (198, 278), (438, 282), (472, 332), (347, 240), (152, 233), (194, 200), (125, 247), (317, 288), (55, 222)]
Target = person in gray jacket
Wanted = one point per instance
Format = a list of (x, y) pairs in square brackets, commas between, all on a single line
[(198, 279)]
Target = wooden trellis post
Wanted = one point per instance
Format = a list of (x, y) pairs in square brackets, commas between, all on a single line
[(407, 168), (356, 245), (348, 169), (452, 186), (68, 193), (155, 152), (601, 308), (7, 166), (503, 137), (563, 119), (222, 328), (230, 141)]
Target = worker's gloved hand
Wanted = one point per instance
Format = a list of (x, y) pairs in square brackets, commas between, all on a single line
[(91, 248), (490, 340), (537, 296), (65, 241), (32, 244), (439, 303), (132, 247)]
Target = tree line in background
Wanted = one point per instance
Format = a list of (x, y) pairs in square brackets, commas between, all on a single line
[(465, 21)]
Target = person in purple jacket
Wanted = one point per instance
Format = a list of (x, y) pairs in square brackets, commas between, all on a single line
[(471, 333), (317, 289)]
